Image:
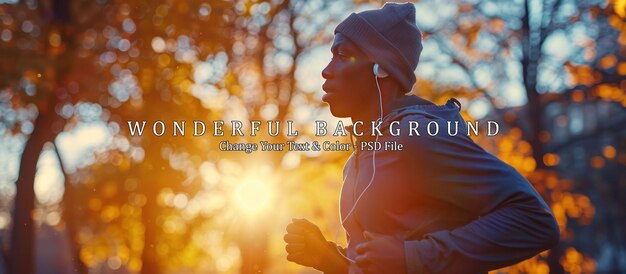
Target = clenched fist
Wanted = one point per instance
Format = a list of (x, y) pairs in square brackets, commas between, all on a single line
[(307, 246)]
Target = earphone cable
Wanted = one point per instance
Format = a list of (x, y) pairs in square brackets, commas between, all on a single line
[(379, 120)]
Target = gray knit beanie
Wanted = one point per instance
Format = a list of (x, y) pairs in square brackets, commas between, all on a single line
[(390, 37)]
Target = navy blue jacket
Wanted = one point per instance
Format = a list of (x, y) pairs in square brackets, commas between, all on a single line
[(458, 208)]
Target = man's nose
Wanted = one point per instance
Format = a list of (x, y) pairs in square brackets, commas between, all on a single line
[(326, 72)]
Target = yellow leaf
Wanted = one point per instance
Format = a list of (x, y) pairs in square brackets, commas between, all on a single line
[(620, 8)]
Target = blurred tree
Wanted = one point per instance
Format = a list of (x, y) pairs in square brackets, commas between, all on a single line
[(141, 61), (59, 54), (46, 73)]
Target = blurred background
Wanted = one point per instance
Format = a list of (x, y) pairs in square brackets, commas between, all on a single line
[(79, 195)]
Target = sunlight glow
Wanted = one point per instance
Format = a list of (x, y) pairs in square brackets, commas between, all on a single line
[(253, 196)]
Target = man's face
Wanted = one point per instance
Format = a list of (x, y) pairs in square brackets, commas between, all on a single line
[(350, 87)]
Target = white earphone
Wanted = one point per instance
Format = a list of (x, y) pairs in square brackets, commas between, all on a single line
[(378, 73)]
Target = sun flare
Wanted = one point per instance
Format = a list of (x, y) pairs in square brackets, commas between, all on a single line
[(253, 196)]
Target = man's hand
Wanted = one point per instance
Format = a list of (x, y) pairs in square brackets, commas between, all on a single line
[(307, 246), (381, 254)]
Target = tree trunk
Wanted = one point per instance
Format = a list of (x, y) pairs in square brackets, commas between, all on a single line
[(531, 50), (22, 253), (530, 60)]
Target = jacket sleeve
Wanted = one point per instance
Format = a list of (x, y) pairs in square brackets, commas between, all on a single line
[(512, 222)]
